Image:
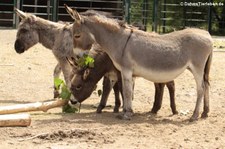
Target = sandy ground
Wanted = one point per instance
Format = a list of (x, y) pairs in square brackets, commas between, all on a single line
[(28, 78)]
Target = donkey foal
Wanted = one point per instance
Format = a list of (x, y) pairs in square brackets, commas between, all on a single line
[(54, 36)]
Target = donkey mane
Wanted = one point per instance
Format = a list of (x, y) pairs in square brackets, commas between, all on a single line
[(109, 23), (106, 20), (94, 12), (41, 23)]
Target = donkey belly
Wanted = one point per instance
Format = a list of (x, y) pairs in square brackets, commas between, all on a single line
[(158, 76)]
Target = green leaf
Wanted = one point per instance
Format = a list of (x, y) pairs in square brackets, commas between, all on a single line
[(58, 82), (89, 61), (68, 109), (81, 62), (86, 61), (65, 93)]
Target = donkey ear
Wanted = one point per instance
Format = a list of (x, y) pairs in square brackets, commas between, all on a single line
[(86, 74), (20, 13), (72, 61), (73, 13)]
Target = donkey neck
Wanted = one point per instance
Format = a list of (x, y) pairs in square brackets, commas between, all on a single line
[(103, 64), (106, 34), (48, 31)]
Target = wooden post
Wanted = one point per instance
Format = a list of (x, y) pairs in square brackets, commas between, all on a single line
[(127, 10), (155, 15), (11, 120), (38, 106), (210, 17)]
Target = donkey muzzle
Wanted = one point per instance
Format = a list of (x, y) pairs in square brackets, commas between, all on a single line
[(73, 101), (19, 47)]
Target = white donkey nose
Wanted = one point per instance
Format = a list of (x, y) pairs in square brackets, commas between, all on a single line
[(73, 101)]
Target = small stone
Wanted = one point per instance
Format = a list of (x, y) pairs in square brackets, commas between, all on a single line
[(206, 140)]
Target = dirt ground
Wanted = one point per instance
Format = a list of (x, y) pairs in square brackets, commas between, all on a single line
[(27, 77)]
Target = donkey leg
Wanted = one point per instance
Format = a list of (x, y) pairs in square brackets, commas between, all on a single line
[(200, 93), (206, 101), (117, 97), (206, 82), (133, 79), (105, 94), (159, 89), (127, 83), (171, 88), (66, 69), (120, 89), (56, 74)]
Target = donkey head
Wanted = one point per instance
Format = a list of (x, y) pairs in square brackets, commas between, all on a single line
[(83, 84), (82, 38), (83, 81), (26, 36)]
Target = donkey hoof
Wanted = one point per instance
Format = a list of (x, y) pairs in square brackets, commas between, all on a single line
[(154, 112), (56, 94), (204, 115), (125, 116), (116, 110), (175, 112), (193, 118), (99, 109)]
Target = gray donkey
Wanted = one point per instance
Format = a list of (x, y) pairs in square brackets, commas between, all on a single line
[(54, 36), (156, 58)]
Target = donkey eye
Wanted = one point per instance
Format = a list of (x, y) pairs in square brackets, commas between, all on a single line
[(78, 87), (77, 36)]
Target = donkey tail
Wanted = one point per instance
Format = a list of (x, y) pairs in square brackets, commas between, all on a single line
[(207, 68)]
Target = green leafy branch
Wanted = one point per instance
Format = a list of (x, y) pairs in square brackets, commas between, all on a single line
[(65, 94), (86, 61)]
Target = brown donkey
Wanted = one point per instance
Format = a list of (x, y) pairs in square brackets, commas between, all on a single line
[(85, 79)]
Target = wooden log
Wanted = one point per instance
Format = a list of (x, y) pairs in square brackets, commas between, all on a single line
[(11, 120), (38, 106)]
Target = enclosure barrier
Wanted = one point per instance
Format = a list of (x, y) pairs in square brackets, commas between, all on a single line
[(7, 16), (161, 16), (113, 6), (171, 15)]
